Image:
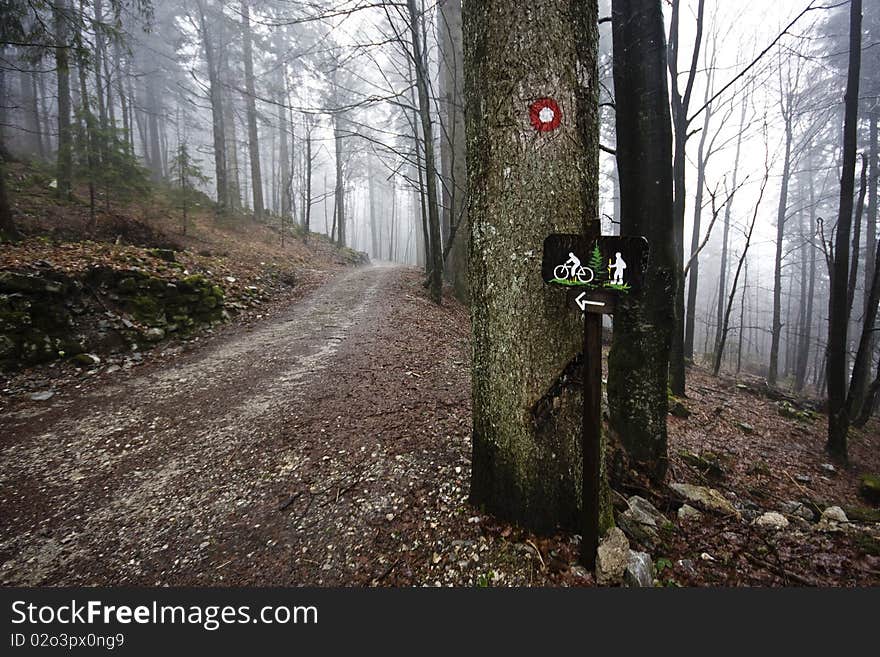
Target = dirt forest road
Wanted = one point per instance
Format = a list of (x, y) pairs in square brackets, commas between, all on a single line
[(319, 445)]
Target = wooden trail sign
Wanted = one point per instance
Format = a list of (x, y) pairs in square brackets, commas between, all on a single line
[(595, 273)]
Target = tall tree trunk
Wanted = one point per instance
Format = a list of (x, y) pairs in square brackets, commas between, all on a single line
[(285, 173), (782, 209), (99, 65), (680, 104), (236, 185), (216, 113), (307, 204), (742, 320), (725, 324), (251, 103), (527, 399), (424, 107), (807, 331), (862, 362), (64, 174), (856, 241), (838, 419), (454, 148), (693, 275), (374, 220), (393, 220), (423, 252), (8, 230), (859, 382), (639, 359), (339, 202), (725, 241), (90, 129), (154, 108), (30, 108)]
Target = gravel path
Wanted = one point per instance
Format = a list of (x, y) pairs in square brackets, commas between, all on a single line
[(257, 459)]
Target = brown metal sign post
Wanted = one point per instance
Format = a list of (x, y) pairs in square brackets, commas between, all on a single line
[(596, 273)]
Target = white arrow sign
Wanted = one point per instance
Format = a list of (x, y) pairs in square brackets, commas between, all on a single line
[(583, 302)]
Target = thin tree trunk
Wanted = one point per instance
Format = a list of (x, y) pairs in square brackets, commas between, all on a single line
[(680, 104), (455, 145), (251, 104), (216, 114), (742, 320), (856, 240), (782, 209), (339, 202), (725, 243), (90, 136), (693, 275), (725, 325), (436, 259), (374, 228), (838, 418), (860, 379), (307, 205), (64, 175)]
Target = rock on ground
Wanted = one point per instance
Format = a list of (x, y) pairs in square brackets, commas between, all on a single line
[(639, 570), (687, 513), (832, 520), (612, 558), (707, 498), (641, 521), (771, 520)]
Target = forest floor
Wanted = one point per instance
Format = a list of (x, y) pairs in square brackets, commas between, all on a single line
[(327, 442)]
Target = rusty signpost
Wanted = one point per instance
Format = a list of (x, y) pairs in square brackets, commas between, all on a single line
[(596, 273)]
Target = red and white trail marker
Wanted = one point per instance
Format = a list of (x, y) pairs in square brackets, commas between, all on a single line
[(545, 114)]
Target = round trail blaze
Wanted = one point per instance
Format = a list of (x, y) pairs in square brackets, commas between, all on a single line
[(545, 114)]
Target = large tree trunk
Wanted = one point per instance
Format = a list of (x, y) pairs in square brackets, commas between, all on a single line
[(64, 173), (251, 103), (838, 419), (453, 147), (527, 394), (216, 114), (424, 108), (639, 358)]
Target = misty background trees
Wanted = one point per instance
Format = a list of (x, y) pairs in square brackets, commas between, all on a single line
[(347, 119)]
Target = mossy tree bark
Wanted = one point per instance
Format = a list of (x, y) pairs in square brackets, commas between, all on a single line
[(639, 358), (523, 185)]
